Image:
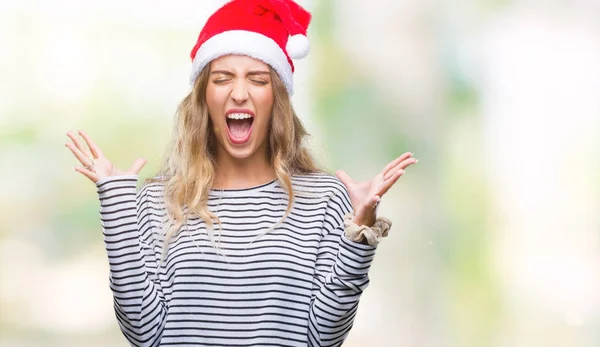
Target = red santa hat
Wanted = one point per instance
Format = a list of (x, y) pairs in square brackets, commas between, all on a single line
[(273, 31)]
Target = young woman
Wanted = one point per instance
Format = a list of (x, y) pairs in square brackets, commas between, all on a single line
[(239, 240)]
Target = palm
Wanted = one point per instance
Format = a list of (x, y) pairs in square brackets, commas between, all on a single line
[(102, 167), (365, 195), (360, 192)]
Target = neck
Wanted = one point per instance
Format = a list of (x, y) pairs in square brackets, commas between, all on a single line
[(234, 173)]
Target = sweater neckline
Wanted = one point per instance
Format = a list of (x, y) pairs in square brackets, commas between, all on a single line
[(237, 191)]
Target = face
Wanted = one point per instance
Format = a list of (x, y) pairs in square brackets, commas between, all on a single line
[(240, 98)]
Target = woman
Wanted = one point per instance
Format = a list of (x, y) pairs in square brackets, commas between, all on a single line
[(289, 259)]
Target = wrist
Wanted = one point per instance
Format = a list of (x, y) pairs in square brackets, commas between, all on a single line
[(362, 223), (368, 235), (362, 220)]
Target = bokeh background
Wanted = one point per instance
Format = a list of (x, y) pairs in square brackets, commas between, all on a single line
[(496, 237)]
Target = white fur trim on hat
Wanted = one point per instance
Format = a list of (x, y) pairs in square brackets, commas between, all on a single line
[(248, 43)]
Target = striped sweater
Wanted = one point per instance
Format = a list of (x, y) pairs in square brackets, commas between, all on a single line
[(297, 285)]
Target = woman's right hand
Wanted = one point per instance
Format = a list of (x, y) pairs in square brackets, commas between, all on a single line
[(101, 166)]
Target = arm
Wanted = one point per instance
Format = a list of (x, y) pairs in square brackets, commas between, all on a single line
[(138, 298), (341, 275)]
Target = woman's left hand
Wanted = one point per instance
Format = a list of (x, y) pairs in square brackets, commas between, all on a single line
[(366, 195)]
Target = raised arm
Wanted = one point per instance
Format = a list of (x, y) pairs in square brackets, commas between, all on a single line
[(346, 251), (138, 298), (341, 275)]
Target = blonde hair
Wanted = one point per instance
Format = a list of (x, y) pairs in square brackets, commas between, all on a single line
[(188, 170)]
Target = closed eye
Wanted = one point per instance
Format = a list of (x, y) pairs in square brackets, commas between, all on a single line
[(221, 81)]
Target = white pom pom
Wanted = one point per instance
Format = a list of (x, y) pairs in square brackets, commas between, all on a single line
[(297, 46)]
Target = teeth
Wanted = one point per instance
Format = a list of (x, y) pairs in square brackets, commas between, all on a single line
[(238, 116)]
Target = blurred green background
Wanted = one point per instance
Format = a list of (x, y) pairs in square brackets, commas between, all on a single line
[(496, 237)]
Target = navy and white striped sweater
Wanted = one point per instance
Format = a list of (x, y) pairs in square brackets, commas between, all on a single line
[(298, 285)]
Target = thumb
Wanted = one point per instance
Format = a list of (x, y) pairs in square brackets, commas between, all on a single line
[(138, 165), (346, 180)]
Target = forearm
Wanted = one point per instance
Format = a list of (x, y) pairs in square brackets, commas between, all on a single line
[(334, 306)]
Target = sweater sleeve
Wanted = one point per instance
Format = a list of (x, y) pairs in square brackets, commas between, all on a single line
[(138, 299), (341, 275)]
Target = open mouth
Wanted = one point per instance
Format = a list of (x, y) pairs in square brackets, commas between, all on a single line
[(239, 126)]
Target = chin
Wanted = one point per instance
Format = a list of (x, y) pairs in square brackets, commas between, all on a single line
[(240, 152)]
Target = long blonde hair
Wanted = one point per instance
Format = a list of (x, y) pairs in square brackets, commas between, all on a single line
[(188, 170)]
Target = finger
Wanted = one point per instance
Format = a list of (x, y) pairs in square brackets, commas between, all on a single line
[(83, 159), (346, 180), (395, 162), (401, 165), (87, 173), (138, 165), (78, 143), (390, 182), (91, 144)]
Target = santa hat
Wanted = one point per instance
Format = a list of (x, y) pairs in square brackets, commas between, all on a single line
[(273, 31)]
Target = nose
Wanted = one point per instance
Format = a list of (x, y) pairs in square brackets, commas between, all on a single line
[(239, 92)]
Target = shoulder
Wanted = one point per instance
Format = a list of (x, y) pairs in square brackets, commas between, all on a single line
[(321, 183), (152, 183), (318, 181), (152, 189), (331, 192)]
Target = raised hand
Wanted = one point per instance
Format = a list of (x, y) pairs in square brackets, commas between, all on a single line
[(95, 165), (365, 195)]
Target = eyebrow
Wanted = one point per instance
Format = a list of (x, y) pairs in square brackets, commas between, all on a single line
[(229, 73)]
